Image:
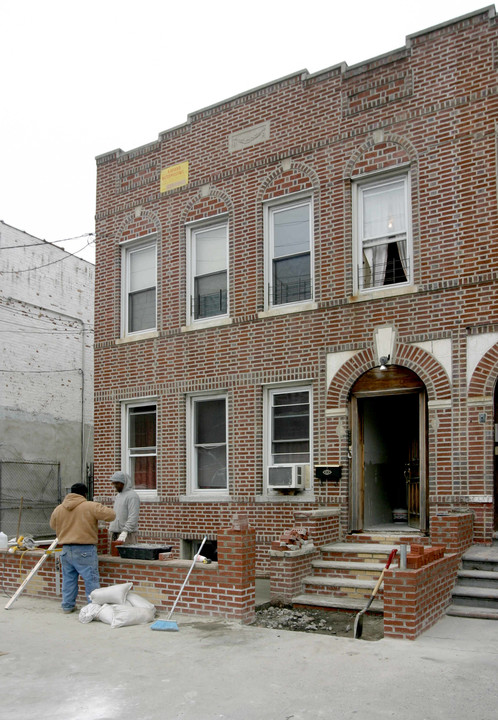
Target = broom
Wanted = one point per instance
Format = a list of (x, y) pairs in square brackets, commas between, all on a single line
[(169, 624)]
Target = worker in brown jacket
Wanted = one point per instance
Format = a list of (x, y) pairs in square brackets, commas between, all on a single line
[(75, 522)]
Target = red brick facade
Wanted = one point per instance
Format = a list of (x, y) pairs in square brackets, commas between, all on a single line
[(425, 112)]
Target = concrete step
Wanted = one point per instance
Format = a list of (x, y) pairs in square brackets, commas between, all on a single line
[(472, 611), (475, 596), (358, 552), (478, 578), (329, 601), (347, 569), (339, 587)]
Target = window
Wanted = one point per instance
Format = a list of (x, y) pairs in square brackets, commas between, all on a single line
[(208, 289), (383, 229), (140, 444), (208, 442), (139, 287), (289, 426), (289, 252)]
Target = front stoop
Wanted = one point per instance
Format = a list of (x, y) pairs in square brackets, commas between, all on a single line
[(476, 591), (346, 573)]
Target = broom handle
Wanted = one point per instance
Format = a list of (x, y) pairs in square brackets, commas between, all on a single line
[(33, 572), (188, 575)]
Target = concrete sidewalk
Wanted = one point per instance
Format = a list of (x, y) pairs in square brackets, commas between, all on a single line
[(55, 668)]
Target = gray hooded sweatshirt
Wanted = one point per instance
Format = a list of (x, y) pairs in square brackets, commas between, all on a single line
[(126, 506)]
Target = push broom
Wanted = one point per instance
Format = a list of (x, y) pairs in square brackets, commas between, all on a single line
[(169, 624)]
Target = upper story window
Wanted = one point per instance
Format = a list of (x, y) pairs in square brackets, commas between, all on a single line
[(140, 445), (208, 443), (289, 252), (208, 277), (383, 222), (289, 425), (139, 283)]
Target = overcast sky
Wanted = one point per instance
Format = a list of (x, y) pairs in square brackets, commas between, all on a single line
[(80, 79)]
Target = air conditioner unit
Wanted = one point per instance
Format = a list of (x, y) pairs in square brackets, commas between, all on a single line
[(287, 477)]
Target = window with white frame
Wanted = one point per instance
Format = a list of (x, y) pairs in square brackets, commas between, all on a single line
[(208, 443), (383, 222), (140, 451), (289, 252), (208, 277), (139, 283), (289, 427)]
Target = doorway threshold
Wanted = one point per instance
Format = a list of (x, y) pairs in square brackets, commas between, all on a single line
[(392, 529)]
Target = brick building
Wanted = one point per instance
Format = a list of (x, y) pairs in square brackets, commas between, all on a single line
[(296, 300)]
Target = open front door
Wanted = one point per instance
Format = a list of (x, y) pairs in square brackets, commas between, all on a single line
[(388, 473)]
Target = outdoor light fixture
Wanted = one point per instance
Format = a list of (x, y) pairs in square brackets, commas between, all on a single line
[(383, 362)]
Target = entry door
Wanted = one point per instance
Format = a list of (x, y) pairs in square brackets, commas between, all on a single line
[(388, 458)]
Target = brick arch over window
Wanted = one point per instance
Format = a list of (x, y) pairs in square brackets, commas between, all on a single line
[(428, 369), (377, 155), (136, 226), (483, 380), (205, 204), (287, 179)]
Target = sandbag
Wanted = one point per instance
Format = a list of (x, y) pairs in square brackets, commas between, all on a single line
[(127, 615), (112, 595), (136, 600), (105, 614), (89, 612)]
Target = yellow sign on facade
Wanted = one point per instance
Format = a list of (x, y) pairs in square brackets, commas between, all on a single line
[(174, 176)]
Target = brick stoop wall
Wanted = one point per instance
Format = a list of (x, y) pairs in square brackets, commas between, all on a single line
[(224, 589), (414, 600)]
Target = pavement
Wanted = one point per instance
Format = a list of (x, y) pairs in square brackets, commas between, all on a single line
[(52, 667)]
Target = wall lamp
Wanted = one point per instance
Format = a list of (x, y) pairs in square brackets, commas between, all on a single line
[(383, 362)]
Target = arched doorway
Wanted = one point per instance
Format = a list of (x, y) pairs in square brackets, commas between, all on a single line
[(388, 451)]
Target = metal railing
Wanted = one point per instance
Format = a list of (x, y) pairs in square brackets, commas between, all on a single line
[(293, 290)]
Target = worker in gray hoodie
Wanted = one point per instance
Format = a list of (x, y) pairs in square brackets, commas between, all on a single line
[(127, 507)]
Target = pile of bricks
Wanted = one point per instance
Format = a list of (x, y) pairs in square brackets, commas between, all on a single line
[(421, 555), (293, 539)]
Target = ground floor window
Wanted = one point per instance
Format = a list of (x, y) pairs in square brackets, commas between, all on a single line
[(140, 421), (208, 443)]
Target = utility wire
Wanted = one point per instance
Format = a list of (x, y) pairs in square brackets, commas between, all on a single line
[(37, 267), (43, 243)]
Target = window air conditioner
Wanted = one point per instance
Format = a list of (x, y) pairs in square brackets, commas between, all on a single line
[(286, 477)]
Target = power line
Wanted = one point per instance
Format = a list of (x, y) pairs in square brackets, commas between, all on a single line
[(37, 267), (42, 243)]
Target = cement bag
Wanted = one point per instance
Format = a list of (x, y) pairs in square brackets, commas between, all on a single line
[(127, 615), (112, 595), (138, 601), (105, 614), (89, 612)]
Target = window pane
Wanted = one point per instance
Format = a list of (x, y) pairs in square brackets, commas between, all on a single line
[(210, 250), (142, 310), (211, 468), (210, 426), (384, 211), (291, 279), (143, 427), (143, 472), (290, 442), (291, 230), (210, 295), (142, 269)]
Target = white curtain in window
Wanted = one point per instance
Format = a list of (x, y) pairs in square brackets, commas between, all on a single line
[(376, 258), (384, 212)]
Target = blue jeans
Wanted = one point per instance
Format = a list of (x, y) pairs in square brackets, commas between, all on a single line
[(78, 560)]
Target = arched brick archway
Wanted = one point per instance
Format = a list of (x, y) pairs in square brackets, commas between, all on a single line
[(425, 365), (483, 380)]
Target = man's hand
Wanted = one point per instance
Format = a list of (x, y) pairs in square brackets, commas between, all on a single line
[(122, 537)]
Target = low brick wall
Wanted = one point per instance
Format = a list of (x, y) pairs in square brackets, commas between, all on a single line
[(288, 568), (415, 599), (453, 530), (323, 525), (223, 589)]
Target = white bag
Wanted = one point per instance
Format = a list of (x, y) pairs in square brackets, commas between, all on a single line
[(138, 601), (113, 595), (105, 614), (127, 615), (89, 612)]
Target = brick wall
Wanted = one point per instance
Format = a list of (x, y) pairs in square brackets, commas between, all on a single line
[(429, 107), (416, 599), (224, 589)]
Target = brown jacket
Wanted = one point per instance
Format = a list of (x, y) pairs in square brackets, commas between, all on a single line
[(75, 520)]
